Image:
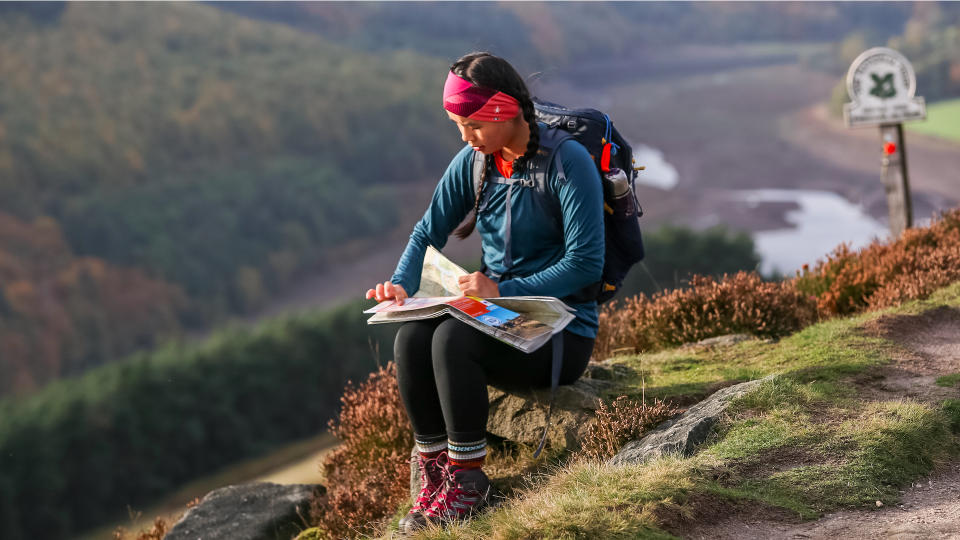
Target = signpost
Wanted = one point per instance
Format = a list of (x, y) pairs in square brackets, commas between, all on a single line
[(881, 84)]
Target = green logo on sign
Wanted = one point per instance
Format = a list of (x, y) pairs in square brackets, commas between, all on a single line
[(883, 87)]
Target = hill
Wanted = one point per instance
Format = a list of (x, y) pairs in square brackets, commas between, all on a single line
[(213, 157)]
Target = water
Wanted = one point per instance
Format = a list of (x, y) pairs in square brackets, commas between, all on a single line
[(823, 221), (658, 172)]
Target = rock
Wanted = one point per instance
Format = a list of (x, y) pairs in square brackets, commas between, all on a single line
[(719, 341), (607, 371), (682, 434), (521, 416), (261, 511)]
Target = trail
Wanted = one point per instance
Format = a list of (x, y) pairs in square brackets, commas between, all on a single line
[(930, 508)]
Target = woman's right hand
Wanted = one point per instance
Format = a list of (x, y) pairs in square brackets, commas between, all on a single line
[(388, 291)]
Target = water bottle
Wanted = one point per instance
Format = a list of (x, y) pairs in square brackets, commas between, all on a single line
[(620, 202)]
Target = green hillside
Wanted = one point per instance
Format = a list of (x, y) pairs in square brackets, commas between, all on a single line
[(217, 152), (211, 157), (943, 120)]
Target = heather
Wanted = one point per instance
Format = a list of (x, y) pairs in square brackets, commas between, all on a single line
[(920, 261), (364, 474)]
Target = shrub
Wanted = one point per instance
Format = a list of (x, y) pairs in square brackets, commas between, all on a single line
[(920, 261), (623, 421), (742, 303), (364, 475)]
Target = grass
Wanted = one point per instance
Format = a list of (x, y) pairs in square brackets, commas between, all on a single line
[(949, 380), (805, 442), (943, 120)]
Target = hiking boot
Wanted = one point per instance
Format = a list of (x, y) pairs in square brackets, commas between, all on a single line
[(465, 493), (431, 483)]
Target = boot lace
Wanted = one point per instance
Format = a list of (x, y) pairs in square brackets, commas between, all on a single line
[(432, 476), (454, 502)]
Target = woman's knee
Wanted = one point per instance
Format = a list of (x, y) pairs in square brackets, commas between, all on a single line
[(450, 340), (413, 342)]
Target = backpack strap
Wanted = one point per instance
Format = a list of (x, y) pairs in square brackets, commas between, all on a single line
[(537, 179)]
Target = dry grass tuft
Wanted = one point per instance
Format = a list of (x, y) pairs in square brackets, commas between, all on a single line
[(159, 529), (624, 420)]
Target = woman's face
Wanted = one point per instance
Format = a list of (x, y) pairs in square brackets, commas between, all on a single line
[(487, 137)]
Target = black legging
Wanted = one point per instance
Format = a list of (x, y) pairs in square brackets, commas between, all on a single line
[(444, 366)]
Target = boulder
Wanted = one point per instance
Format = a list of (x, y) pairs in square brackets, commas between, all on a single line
[(260, 511), (682, 434), (520, 416)]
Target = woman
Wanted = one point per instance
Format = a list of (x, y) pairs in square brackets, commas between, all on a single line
[(444, 366)]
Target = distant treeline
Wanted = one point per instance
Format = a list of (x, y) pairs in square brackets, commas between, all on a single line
[(550, 35), (674, 254), (76, 454)]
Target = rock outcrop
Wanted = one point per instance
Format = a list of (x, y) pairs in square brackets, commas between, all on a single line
[(261, 511), (521, 416), (681, 435)]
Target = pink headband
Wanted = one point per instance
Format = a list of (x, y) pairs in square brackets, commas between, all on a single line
[(462, 98)]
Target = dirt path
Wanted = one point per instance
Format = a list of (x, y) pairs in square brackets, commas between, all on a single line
[(930, 508)]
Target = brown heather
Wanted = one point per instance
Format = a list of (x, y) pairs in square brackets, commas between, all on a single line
[(624, 420), (365, 475), (880, 275), (742, 303)]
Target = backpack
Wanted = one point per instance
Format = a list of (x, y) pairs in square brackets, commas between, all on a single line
[(594, 130)]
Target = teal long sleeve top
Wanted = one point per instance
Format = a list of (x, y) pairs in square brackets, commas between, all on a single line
[(553, 255)]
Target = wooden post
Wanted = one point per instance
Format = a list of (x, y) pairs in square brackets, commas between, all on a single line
[(893, 173)]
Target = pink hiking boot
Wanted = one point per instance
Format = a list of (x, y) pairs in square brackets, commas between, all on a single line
[(465, 492), (431, 484)]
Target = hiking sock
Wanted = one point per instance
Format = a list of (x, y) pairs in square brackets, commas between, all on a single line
[(467, 455), (430, 446)]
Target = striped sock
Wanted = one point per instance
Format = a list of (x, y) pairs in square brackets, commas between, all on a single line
[(430, 446), (467, 455)]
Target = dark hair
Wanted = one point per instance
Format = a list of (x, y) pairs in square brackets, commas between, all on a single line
[(488, 71)]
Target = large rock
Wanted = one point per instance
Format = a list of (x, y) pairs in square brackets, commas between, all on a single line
[(260, 511), (521, 416), (682, 434)]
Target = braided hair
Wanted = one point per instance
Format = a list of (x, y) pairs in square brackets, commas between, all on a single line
[(489, 71)]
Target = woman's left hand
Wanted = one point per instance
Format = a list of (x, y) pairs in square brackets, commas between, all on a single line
[(477, 284)]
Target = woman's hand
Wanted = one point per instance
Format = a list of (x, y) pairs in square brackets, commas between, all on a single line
[(388, 291), (477, 284)]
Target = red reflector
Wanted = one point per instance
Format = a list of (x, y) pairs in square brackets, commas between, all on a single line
[(889, 148)]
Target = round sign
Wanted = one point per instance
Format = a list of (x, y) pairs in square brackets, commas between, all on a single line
[(882, 88), (880, 74)]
